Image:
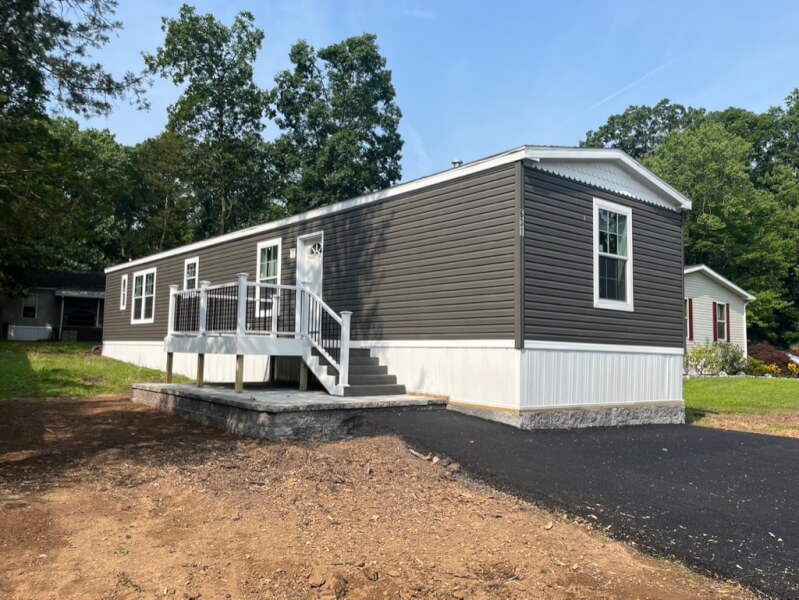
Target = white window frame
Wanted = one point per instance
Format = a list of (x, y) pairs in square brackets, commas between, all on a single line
[(123, 293), (143, 274), (604, 303), (278, 242), (195, 260), (35, 304), (722, 338)]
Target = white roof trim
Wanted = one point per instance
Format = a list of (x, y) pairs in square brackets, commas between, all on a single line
[(720, 279), (533, 153)]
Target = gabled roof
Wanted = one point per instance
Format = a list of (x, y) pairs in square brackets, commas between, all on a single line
[(606, 168), (720, 279)]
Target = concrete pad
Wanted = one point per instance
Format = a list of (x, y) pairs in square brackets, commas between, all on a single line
[(272, 413)]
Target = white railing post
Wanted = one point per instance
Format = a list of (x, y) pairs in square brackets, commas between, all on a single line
[(241, 312), (170, 327), (306, 310), (344, 359), (203, 306)]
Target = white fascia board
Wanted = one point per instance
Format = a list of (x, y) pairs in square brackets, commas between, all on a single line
[(719, 279), (532, 153)]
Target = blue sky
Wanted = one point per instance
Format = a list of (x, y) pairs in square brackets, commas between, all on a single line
[(476, 77)]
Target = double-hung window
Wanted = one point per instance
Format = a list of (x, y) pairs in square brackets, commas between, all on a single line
[(268, 271), (613, 256), (191, 273), (721, 322), (30, 304), (143, 297)]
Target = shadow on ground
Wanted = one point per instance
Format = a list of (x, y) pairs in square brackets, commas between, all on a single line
[(42, 441)]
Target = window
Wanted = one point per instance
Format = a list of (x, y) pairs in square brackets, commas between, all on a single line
[(613, 256), (721, 322), (29, 306), (123, 293), (143, 297), (268, 271), (191, 273), (316, 249)]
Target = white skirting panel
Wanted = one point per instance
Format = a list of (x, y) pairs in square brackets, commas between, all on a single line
[(218, 367), (485, 376), (582, 375)]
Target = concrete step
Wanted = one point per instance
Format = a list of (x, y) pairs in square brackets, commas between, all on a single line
[(373, 379), (374, 390)]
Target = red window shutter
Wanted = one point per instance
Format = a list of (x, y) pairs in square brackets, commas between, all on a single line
[(728, 322), (690, 319), (715, 324)]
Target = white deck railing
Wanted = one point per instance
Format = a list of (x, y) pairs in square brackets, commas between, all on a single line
[(246, 308)]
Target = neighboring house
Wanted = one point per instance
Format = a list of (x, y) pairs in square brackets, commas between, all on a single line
[(60, 305), (540, 287), (715, 309)]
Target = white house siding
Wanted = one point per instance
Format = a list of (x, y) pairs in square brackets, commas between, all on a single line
[(704, 291), (219, 368), (484, 374), (594, 375)]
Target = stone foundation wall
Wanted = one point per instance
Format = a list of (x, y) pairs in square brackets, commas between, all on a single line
[(611, 416)]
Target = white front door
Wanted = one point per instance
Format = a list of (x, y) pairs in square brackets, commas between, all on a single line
[(310, 252), (310, 259)]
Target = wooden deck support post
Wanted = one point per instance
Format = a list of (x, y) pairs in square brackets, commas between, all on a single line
[(272, 368), (200, 369), (169, 360), (170, 329), (239, 373), (303, 376)]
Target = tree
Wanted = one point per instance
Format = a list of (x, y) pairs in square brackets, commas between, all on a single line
[(639, 130), (161, 213), (45, 63), (220, 111), (734, 227), (45, 57), (339, 124)]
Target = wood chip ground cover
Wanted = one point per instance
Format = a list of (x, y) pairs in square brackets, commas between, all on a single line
[(101, 498)]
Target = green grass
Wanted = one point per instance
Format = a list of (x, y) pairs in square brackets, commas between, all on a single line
[(741, 395), (41, 369)]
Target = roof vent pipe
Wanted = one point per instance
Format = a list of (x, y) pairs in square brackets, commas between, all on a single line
[(456, 163)]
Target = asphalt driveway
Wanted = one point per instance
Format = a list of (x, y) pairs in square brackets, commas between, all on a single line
[(724, 502)]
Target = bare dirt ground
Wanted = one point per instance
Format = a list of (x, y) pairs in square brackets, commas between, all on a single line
[(102, 498), (782, 424)]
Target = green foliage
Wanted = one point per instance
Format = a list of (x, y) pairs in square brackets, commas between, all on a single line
[(43, 369), (741, 395), (712, 359), (701, 360), (639, 130), (754, 367), (220, 111), (339, 124), (45, 48)]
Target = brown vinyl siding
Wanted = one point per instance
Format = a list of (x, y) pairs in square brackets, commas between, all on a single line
[(436, 263), (558, 268)]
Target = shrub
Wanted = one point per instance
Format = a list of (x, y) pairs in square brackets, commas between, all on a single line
[(773, 369), (793, 369), (730, 358), (702, 361), (770, 355), (709, 360), (754, 367)]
